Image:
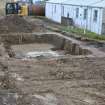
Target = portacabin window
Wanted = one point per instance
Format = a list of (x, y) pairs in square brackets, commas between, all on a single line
[(85, 14), (62, 10), (77, 12), (95, 17), (67, 15), (55, 8)]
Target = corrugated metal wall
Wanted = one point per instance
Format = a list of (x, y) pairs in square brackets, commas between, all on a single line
[(38, 10)]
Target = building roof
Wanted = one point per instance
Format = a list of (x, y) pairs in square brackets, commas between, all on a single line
[(99, 4), (56, 1), (75, 2), (92, 3)]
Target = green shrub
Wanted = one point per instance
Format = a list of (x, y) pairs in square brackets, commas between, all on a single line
[(80, 32)]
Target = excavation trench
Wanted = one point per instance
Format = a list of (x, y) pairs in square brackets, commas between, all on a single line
[(46, 45)]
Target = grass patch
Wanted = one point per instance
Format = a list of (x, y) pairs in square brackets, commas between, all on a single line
[(80, 32), (40, 17)]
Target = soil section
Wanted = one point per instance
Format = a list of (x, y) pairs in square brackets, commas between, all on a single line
[(17, 24), (76, 79)]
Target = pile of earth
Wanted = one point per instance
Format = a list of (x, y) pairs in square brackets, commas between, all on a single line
[(15, 23)]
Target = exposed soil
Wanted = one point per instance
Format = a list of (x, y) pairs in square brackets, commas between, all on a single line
[(14, 24), (70, 80), (32, 47), (74, 81)]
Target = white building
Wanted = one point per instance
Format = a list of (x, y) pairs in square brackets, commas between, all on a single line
[(36, 1), (53, 10), (88, 14)]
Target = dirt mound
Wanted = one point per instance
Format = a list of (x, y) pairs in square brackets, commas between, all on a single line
[(16, 24)]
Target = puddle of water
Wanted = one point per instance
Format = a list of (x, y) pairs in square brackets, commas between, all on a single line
[(39, 54), (42, 53), (38, 51)]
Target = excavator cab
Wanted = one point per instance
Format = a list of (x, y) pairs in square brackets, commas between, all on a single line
[(16, 8), (12, 8)]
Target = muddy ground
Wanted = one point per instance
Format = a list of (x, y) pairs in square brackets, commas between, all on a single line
[(71, 80)]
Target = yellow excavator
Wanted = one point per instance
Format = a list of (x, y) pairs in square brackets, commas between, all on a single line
[(16, 8)]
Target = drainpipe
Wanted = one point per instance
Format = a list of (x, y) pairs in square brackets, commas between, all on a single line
[(87, 19), (91, 17), (81, 17), (100, 19), (86, 24)]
